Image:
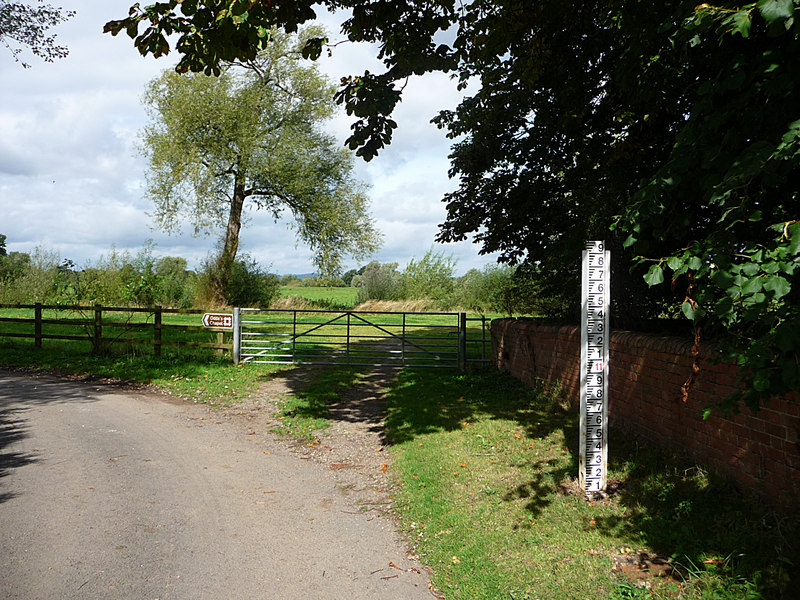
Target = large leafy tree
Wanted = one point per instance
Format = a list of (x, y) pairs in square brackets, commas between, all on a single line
[(719, 216), (252, 136), (674, 124), (23, 25)]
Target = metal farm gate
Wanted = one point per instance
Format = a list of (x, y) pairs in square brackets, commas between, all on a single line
[(355, 338)]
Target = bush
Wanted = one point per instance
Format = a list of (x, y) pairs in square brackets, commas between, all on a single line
[(176, 283), (483, 290), (250, 286), (322, 281), (13, 265), (430, 277), (36, 283), (379, 282)]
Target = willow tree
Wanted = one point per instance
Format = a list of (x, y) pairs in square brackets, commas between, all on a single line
[(253, 136)]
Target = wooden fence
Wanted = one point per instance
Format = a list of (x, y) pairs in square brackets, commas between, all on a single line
[(95, 328)]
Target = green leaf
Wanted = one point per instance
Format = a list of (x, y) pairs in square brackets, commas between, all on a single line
[(724, 309), (778, 286), (757, 298), (674, 263), (690, 312), (752, 286), (695, 262), (761, 383), (750, 269), (654, 276), (722, 279), (740, 22), (775, 10), (794, 242)]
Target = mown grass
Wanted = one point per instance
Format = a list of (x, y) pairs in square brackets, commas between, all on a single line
[(327, 297), (197, 375), (486, 471)]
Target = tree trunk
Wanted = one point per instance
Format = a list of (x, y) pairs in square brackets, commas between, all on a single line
[(228, 256)]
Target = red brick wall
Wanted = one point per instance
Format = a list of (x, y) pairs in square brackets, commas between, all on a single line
[(759, 450)]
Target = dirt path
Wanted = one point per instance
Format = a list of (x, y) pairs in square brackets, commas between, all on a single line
[(106, 493), (353, 447)]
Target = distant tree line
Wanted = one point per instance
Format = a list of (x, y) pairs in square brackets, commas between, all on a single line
[(494, 288), (142, 279), (125, 279)]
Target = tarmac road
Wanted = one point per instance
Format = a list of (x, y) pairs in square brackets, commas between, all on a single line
[(106, 493)]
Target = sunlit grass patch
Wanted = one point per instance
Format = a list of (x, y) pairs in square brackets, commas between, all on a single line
[(488, 495), (200, 376)]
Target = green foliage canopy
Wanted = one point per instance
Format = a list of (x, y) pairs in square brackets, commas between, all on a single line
[(719, 217)]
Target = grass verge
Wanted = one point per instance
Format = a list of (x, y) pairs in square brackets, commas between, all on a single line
[(487, 472), (200, 376)]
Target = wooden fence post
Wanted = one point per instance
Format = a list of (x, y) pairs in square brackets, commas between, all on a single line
[(37, 325), (157, 332), (462, 341), (97, 340)]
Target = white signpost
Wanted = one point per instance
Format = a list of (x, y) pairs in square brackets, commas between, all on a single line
[(595, 271)]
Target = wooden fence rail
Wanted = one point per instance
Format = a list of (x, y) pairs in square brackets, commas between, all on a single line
[(96, 327)]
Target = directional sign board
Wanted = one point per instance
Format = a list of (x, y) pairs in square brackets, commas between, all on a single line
[(595, 293), (218, 321)]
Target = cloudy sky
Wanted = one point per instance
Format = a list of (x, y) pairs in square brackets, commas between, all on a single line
[(71, 180)]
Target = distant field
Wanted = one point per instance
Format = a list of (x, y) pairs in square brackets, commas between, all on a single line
[(340, 296)]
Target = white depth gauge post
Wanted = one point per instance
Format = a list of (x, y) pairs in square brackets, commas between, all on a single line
[(595, 292)]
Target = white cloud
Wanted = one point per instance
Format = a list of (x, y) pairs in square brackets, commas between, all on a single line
[(70, 179)]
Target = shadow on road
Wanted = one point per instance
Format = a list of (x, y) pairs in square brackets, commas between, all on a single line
[(18, 395)]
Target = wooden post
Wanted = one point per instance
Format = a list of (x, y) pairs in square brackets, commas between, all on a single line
[(220, 342), (462, 341), (157, 332), (483, 338), (97, 339), (37, 326)]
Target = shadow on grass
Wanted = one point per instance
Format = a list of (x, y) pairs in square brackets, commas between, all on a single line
[(702, 522), (698, 521), (422, 402)]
